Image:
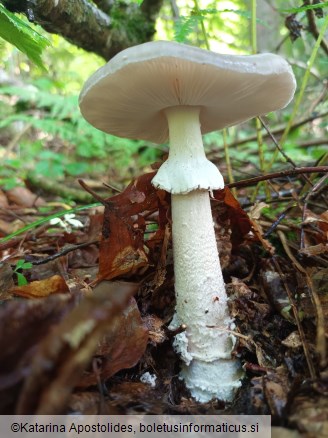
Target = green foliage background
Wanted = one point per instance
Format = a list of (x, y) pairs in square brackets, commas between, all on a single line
[(41, 129)]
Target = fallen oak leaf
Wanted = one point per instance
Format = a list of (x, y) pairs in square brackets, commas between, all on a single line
[(41, 288), (122, 247), (62, 356)]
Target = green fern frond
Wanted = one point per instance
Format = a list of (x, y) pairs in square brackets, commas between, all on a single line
[(184, 26), (27, 40)]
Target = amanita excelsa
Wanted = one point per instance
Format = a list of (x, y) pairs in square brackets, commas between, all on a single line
[(163, 90)]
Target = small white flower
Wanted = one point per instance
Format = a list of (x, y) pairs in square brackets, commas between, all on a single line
[(67, 223)]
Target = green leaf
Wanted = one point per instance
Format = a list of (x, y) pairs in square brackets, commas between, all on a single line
[(21, 280), (184, 26), (78, 168), (27, 40), (19, 264)]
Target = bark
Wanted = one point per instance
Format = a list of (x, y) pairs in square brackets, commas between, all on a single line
[(85, 25)]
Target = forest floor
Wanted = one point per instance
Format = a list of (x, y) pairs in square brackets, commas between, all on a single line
[(86, 300)]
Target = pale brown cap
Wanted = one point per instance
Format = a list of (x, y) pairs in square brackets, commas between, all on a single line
[(127, 96)]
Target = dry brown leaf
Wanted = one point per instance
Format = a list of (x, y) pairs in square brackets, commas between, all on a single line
[(23, 197), (63, 354), (293, 340), (121, 348), (239, 220), (42, 288), (122, 247), (3, 200), (6, 281), (314, 250), (271, 389), (155, 327), (7, 227), (23, 323), (321, 221), (255, 211)]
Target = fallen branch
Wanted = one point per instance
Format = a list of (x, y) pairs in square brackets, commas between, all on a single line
[(289, 172)]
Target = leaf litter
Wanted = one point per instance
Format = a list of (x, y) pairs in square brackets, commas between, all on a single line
[(76, 339)]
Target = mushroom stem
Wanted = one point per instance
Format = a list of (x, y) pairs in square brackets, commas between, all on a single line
[(201, 301), (187, 167)]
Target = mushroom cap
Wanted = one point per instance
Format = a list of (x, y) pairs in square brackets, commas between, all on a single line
[(127, 96)]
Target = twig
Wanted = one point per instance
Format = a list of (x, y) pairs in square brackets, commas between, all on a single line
[(314, 189), (313, 26), (91, 192), (297, 319), (312, 142), (287, 158), (228, 161), (320, 322), (321, 97), (67, 249), (283, 173), (277, 131), (320, 318), (301, 93), (280, 218)]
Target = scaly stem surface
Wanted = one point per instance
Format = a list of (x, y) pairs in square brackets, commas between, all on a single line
[(201, 300)]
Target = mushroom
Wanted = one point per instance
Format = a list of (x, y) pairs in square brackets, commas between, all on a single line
[(165, 90)]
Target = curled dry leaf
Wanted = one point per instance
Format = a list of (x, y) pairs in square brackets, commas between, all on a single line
[(293, 340), (42, 288), (62, 356), (321, 223), (240, 223), (122, 247)]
